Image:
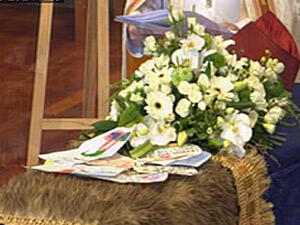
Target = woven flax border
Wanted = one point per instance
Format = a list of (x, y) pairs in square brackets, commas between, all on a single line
[(251, 180)]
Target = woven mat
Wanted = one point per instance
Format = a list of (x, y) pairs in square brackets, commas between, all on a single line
[(227, 192)]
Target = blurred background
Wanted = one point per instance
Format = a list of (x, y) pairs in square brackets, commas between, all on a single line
[(18, 36)]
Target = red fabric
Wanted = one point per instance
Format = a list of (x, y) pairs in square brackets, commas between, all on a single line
[(268, 32)]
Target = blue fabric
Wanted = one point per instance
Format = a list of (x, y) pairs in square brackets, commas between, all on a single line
[(284, 192)]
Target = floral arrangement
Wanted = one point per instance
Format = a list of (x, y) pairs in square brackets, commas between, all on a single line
[(193, 90)]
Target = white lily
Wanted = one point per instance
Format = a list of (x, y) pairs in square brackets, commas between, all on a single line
[(162, 134), (193, 43), (237, 130)]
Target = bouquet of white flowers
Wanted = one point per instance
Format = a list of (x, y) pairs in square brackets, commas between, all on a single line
[(193, 90)]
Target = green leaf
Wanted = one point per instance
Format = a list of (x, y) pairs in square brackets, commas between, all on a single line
[(131, 114), (105, 125), (241, 105), (215, 142), (141, 150), (217, 59)]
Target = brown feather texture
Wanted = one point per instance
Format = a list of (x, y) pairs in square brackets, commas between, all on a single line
[(209, 198)]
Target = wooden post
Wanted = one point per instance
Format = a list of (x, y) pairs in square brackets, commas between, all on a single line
[(103, 56), (41, 68), (96, 73), (90, 67)]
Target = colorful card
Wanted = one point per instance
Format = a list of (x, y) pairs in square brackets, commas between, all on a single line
[(165, 156), (82, 170), (176, 170), (117, 160), (194, 161), (105, 145)]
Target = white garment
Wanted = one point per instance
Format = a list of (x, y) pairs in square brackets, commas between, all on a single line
[(219, 11)]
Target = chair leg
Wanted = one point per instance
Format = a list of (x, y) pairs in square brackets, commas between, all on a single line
[(90, 67), (39, 91), (103, 56)]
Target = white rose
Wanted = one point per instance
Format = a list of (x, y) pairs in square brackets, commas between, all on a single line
[(202, 106), (195, 96), (184, 87), (183, 107)]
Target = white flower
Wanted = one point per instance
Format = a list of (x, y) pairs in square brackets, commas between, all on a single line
[(195, 96), (163, 76), (237, 129), (274, 115), (180, 58), (199, 29), (269, 127), (203, 80), (170, 35), (184, 87), (136, 98), (192, 21), (131, 88), (258, 99), (220, 45), (256, 69), (280, 67), (115, 111), (183, 107), (202, 105), (235, 63), (193, 42), (271, 75), (221, 84), (221, 87), (275, 65), (161, 61), (159, 106), (162, 134), (150, 45), (176, 15), (140, 135), (145, 68), (253, 116), (254, 83), (151, 85), (166, 89)]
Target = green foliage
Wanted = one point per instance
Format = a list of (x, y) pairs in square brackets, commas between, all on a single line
[(104, 126), (181, 74), (217, 59), (130, 114), (142, 150)]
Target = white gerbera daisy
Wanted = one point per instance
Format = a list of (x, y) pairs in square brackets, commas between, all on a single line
[(159, 106)]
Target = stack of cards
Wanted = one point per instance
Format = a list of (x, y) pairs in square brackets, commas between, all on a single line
[(98, 158)]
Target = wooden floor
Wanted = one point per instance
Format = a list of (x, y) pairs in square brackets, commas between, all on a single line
[(18, 31)]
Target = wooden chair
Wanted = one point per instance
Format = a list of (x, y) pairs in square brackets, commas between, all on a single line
[(96, 75)]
